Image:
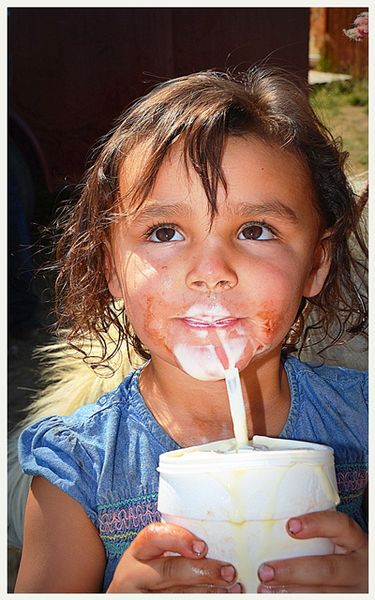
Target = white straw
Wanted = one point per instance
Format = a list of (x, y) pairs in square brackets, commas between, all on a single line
[(237, 406)]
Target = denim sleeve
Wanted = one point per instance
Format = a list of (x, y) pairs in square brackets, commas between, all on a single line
[(51, 449)]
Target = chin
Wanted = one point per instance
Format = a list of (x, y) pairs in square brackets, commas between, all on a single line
[(203, 375)]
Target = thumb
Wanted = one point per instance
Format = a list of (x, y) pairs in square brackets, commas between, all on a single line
[(158, 538)]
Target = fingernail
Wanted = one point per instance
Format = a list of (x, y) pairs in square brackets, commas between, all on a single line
[(294, 526), (235, 589), (228, 573), (198, 547), (266, 573)]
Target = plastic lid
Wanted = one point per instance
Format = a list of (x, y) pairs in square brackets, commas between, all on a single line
[(262, 451)]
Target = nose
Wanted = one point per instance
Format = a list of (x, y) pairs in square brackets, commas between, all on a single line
[(212, 272)]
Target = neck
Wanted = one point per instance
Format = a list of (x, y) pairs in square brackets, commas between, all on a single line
[(195, 412)]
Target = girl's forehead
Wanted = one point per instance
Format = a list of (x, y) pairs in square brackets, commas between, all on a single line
[(238, 153), (257, 174), (253, 170)]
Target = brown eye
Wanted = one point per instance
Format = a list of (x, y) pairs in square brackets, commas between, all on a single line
[(165, 234), (255, 231)]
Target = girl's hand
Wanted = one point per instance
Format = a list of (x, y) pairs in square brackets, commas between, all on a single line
[(344, 571), (147, 565)]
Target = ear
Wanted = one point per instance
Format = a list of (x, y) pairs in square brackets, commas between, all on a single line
[(320, 266), (111, 275)]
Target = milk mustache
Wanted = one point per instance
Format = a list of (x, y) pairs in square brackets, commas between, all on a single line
[(239, 499)]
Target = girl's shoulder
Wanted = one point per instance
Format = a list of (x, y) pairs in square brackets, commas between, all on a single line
[(67, 449), (329, 404), (91, 420), (332, 378)]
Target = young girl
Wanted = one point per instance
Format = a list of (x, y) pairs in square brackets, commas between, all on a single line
[(217, 209)]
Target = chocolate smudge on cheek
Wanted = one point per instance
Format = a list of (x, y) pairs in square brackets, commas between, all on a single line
[(152, 326), (269, 322), (149, 314)]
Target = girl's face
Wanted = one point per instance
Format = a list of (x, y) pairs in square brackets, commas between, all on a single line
[(204, 296)]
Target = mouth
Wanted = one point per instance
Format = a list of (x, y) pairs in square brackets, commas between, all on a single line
[(209, 321)]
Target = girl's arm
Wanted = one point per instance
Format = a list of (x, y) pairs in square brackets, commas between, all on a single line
[(344, 571), (62, 551)]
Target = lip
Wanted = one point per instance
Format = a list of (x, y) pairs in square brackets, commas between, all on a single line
[(208, 321), (204, 312)]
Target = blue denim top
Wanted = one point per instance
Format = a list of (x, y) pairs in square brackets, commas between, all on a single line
[(105, 455)]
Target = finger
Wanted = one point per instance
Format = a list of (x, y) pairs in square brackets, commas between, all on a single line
[(345, 533), (157, 538), (295, 589), (177, 571), (331, 570), (208, 589)]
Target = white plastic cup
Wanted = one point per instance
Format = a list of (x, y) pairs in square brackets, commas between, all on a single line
[(239, 502)]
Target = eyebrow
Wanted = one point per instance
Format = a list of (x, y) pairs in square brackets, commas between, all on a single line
[(163, 211), (274, 208)]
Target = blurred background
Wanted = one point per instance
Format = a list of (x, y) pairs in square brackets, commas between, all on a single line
[(72, 71)]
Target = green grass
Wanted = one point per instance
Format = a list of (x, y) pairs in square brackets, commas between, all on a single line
[(343, 108), (339, 93)]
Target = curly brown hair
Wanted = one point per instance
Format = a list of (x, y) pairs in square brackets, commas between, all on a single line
[(202, 109)]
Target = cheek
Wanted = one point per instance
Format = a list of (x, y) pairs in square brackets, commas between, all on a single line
[(147, 321), (146, 288), (277, 302), (273, 324), (137, 273)]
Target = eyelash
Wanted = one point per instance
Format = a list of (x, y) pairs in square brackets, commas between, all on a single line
[(155, 227), (267, 226)]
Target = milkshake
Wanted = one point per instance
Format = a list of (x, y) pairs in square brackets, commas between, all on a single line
[(238, 500), (237, 495)]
